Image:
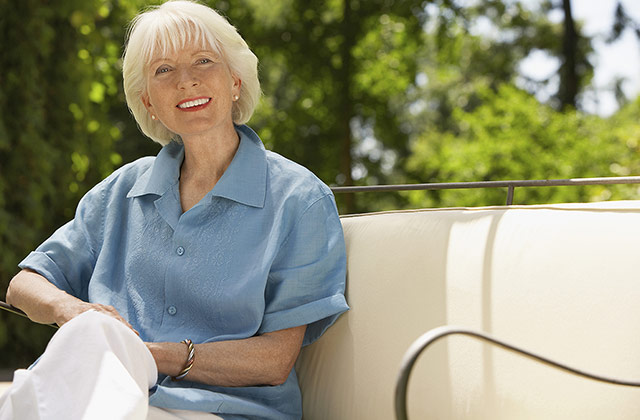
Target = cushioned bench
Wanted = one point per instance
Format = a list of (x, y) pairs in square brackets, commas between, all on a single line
[(560, 280)]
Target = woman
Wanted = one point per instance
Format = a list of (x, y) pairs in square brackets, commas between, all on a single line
[(224, 258)]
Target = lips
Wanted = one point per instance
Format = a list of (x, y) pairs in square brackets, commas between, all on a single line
[(194, 104)]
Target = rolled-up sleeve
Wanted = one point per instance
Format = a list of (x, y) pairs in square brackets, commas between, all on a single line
[(307, 280), (68, 257)]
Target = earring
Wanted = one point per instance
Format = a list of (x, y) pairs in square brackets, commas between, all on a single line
[(236, 97), (153, 117)]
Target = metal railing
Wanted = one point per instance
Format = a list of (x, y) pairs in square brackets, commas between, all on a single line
[(510, 185), (431, 336)]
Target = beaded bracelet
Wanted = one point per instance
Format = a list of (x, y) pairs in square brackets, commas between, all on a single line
[(190, 359)]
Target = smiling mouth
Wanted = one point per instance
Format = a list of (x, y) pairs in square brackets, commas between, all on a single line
[(194, 104)]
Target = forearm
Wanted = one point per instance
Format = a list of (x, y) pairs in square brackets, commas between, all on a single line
[(43, 302), (262, 360), (38, 298)]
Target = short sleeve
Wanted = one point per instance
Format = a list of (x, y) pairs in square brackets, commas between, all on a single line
[(68, 257), (307, 279)]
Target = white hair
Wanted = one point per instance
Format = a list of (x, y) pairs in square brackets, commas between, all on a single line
[(170, 27)]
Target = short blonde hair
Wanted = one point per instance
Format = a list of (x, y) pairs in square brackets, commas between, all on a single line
[(169, 27)]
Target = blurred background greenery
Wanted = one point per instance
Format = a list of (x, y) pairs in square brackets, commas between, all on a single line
[(359, 91)]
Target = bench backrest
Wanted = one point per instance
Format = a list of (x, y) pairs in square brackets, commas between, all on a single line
[(560, 280)]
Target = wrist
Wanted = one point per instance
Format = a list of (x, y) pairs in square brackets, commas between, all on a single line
[(191, 351), (170, 357), (64, 307)]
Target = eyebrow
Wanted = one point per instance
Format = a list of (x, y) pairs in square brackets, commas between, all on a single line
[(215, 53)]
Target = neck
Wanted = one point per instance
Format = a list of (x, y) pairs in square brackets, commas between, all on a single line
[(207, 157)]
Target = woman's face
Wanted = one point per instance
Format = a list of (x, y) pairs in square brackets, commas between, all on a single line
[(191, 92)]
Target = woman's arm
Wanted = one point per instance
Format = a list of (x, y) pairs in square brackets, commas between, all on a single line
[(261, 360), (44, 303)]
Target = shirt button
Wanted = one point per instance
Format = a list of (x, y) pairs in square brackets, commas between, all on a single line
[(180, 251), (172, 310)]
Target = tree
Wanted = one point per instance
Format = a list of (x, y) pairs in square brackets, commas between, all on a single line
[(491, 38), (62, 118), (512, 136), (334, 73), (622, 22), (569, 79), (471, 54)]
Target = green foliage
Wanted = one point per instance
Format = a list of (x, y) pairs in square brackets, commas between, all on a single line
[(333, 72), (62, 117), (511, 136)]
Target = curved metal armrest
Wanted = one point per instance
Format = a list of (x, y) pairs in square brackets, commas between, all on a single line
[(418, 346)]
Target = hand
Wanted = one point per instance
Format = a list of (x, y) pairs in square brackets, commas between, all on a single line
[(71, 308)]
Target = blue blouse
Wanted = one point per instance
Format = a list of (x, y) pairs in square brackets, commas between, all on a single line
[(262, 251)]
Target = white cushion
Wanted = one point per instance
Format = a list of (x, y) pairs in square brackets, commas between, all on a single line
[(560, 280)]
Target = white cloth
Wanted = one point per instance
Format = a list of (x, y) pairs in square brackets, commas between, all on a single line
[(94, 367)]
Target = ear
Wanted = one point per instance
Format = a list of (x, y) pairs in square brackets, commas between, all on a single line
[(237, 84), (146, 102)]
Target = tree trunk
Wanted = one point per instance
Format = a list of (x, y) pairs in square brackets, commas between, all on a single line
[(569, 83), (347, 109)]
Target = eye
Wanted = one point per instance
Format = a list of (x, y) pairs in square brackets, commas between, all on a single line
[(204, 61), (162, 69)]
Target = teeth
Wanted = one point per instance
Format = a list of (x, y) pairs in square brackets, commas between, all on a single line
[(191, 104)]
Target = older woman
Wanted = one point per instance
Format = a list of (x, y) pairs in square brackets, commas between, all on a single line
[(224, 258)]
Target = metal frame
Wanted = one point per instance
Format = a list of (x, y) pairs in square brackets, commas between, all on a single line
[(510, 185), (418, 346)]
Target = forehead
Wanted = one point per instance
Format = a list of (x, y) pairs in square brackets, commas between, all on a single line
[(167, 39), (188, 52)]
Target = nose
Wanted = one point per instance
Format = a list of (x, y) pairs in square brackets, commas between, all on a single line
[(187, 79)]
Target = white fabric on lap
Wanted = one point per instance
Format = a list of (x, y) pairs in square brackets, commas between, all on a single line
[(93, 368)]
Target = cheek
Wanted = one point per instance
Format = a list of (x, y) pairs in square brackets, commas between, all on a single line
[(157, 99), (157, 88)]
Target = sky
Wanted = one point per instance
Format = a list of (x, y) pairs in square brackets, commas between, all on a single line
[(619, 59)]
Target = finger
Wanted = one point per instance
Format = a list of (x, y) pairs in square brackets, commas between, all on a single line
[(114, 313)]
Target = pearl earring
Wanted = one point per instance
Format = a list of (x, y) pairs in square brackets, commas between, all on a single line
[(153, 117), (236, 97)]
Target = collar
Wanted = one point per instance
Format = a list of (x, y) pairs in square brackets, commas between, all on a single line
[(244, 181), (162, 174)]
